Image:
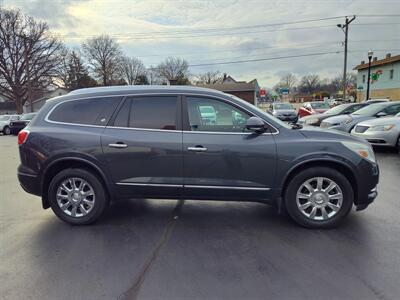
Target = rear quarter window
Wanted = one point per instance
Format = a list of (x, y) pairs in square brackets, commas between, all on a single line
[(96, 111)]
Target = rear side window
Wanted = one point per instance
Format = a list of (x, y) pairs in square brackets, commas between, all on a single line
[(149, 113), (95, 111)]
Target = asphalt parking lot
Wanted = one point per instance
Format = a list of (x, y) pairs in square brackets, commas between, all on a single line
[(189, 250)]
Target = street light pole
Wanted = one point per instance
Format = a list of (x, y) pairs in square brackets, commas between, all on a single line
[(370, 54), (345, 28)]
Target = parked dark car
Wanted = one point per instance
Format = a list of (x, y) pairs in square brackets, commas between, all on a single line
[(17, 125), (283, 111), (94, 146), (342, 109), (374, 110)]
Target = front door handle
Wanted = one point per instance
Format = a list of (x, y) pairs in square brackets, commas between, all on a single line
[(118, 145), (197, 149)]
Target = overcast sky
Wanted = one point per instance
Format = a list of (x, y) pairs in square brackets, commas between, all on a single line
[(222, 30)]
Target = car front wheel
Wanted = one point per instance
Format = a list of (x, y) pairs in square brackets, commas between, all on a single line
[(77, 196), (319, 197), (6, 130)]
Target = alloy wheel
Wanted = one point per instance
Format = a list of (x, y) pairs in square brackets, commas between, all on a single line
[(75, 197), (319, 198)]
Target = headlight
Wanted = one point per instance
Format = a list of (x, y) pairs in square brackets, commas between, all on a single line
[(381, 127), (312, 121), (365, 151)]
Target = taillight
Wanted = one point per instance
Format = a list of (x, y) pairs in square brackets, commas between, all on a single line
[(22, 136)]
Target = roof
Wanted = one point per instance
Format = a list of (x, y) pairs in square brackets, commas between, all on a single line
[(380, 62), (138, 88), (230, 87)]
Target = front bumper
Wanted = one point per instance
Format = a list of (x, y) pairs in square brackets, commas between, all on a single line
[(367, 178), (292, 118), (381, 138)]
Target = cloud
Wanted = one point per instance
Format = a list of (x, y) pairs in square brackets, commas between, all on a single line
[(154, 30)]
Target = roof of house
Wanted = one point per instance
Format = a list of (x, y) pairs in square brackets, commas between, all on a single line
[(230, 87), (386, 60)]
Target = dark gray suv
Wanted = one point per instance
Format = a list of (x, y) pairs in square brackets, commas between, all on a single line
[(95, 146)]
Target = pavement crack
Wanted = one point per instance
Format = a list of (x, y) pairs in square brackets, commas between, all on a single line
[(133, 292)]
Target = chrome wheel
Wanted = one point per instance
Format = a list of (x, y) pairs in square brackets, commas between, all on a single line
[(319, 198), (7, 130), (75, 197)]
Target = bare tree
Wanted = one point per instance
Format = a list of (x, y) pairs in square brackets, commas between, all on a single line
[(29, 56), (103, 55), (309, 83), (210, 77), (72, 73), (132, 70), (289, 80), (154, 77), (174, 69)]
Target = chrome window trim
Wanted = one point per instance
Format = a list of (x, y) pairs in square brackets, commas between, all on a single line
[(159, 130), (225, 187)]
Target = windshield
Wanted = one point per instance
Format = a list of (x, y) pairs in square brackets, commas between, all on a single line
[(27, 117), (263, 113), (337, 109), (279, 106), (370, 110), (4, 118), (319, 105)]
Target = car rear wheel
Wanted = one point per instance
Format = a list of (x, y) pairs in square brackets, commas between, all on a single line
[(77, 196), (6, 130), (319, 197), (398, 145)]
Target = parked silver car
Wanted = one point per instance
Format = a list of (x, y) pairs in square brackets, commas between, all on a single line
[(5, 123), (383, 131)]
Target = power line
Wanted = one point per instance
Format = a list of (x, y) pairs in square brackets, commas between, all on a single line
[(264, 59)]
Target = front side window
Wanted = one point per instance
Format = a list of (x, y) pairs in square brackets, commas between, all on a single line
[(393, 109), (150, 112), (96, 111), (212, 115)]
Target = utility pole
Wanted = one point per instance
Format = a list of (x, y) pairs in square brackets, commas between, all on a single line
[(27, 72), (345, 28)]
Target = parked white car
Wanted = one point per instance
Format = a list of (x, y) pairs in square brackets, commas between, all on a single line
[(383, 131), (5, 123)]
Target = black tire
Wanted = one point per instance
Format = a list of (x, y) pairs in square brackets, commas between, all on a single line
[(300, 178), (398, 145), (6, 130), (101, 198)]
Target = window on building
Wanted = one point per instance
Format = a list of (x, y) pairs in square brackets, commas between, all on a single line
[(391, 74), (363, 79)]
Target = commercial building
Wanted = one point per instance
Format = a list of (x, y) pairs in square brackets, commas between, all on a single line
[(385, 78)]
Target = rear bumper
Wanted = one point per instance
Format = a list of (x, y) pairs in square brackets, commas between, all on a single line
[(30, 182)]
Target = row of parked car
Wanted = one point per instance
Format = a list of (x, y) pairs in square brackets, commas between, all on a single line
[(377, 121), (13, 124)]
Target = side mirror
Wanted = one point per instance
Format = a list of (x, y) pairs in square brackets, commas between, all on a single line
[(255, 124), (381, 114)]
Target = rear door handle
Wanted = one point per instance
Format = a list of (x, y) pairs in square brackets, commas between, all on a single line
[(197, 149), (118, 145)]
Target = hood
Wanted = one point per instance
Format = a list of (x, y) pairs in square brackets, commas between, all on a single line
[(338, 119), (321, 110), (381, 121), (317, 132), (284, 111)]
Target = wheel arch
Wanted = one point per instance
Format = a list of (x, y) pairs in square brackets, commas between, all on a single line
[(69, 163), (340, 166)]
